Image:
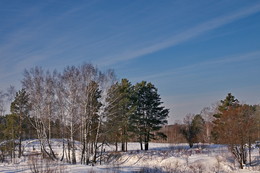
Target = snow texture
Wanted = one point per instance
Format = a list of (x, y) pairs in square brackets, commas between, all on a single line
[(160, 158)]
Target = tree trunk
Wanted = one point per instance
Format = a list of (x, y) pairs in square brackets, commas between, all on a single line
[(244, 154), (20, 147), (68, 141), (63, 149), (86, 143), (241, 164), (147, 139), (96, 141), (122, 146), (141, 143), (74, 161), (101, 153), (73, 156), (146, 146), (20, 136), (82, 160), (53, 157), (13, 145), (249, 147), (238, 153)]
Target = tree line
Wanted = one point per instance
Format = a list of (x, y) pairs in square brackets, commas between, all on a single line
[(228, 122), (87, 109), (84, 107)]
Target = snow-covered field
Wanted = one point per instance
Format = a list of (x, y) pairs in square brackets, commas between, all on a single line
[(160, 158)]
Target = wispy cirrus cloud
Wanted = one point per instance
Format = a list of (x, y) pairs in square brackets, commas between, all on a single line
[(25, 45), (181, 37), (34, 42), (250, 56)]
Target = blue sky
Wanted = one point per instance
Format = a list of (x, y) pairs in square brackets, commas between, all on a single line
[(195, 52)]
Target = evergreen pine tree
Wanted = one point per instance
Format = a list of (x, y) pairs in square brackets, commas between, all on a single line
[(149, 116), (119, 110), (228, 102), (20, 107)]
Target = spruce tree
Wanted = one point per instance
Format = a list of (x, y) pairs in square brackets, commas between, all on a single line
[(150, 115)]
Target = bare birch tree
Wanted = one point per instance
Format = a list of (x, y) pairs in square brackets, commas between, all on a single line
[(71, 79), (75, 99), (34, 83), (89, 107)]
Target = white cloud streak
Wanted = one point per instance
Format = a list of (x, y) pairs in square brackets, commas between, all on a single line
[(181, 37), (15, 56), (217, 61)]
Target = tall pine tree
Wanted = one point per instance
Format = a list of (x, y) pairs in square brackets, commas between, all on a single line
[(150, 115), (120, 108)]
